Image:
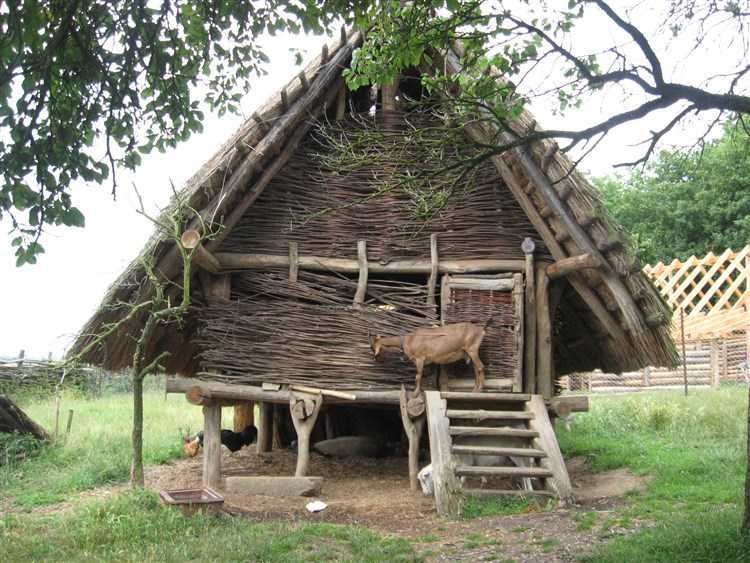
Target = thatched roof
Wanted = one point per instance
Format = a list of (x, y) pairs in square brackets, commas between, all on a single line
[(615, 320)]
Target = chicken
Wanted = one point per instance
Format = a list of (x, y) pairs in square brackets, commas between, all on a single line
[(234, 441), (191, 448)]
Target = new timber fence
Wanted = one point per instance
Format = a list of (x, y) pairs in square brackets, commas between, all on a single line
[(707, 363)]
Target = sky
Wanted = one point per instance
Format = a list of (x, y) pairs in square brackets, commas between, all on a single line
[(43, 306)]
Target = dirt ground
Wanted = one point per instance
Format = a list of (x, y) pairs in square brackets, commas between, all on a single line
[(375, 494)]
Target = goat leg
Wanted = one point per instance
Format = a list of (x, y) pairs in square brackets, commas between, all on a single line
[(420, 367)]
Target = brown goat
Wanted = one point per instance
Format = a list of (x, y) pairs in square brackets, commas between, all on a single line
[(439, 345)]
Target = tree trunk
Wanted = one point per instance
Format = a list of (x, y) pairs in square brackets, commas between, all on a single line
[(746, 518), (136, 468)]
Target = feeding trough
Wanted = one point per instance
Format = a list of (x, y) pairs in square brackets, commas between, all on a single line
[(193, 500)]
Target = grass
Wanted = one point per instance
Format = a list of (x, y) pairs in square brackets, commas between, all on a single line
[(476, 507), (98, 450), (694, 448), (134, 527)]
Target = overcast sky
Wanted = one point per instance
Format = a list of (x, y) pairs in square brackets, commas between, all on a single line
[(43, 306)]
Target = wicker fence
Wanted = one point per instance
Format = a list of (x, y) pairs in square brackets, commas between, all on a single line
[(707, 363)]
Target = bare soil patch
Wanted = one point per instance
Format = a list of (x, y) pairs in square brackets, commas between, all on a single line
[(374, 493)]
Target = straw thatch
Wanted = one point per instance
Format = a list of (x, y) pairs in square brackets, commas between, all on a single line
[(277, 181)]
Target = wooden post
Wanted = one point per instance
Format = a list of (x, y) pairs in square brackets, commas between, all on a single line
[(530, 383), (447, 485), (434, 272), (413, 418), (265, 428), (212, 445), (218, 286), (293, 261), (359, 297), (714, 362), (647, 376), (518, 370), (545, 381), (244, 415), (304, 413)]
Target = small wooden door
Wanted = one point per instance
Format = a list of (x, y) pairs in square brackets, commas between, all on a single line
[(477, 299)]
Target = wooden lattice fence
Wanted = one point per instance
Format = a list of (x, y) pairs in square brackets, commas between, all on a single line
[(709, 295)]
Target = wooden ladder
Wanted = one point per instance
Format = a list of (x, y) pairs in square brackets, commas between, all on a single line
[(500, 416)]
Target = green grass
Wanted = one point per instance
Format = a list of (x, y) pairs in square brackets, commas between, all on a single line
[(134, 527), (694, 449), (476, 507), (98, 449)]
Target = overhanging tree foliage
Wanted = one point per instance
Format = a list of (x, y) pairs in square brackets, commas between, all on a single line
[(87, 85)]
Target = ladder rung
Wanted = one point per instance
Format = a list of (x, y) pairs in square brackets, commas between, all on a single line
[(506, 397), (484, 415), (505, 493), (492, 431), (538, 472), (499, 451)]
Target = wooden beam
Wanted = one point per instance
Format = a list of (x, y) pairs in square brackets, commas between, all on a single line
[(572, 264), (413, 427), (239, 261), (224, 391), (304, 415)]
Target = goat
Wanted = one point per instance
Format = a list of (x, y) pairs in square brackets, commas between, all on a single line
[(437, 345)]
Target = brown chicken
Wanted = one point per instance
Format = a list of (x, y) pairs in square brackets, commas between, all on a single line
[(191, 448)]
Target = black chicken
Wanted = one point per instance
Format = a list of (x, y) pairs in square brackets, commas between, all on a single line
[(232, 440)]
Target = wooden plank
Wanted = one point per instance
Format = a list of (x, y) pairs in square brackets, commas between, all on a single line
[(705, 282), (492, 431), (480, 414), (499, 451), (716, 284), (491, 397), (447, 486), (547, 441), (482, 284), (482, 493), (537, 472), (498, 383)]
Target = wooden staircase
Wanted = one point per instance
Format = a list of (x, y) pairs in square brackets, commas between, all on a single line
[(513, 425)]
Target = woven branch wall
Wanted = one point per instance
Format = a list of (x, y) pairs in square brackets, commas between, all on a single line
[(481, 220), (279, 331)]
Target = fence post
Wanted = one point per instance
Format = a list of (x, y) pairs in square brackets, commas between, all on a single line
[(647, 376), (714, 362)]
